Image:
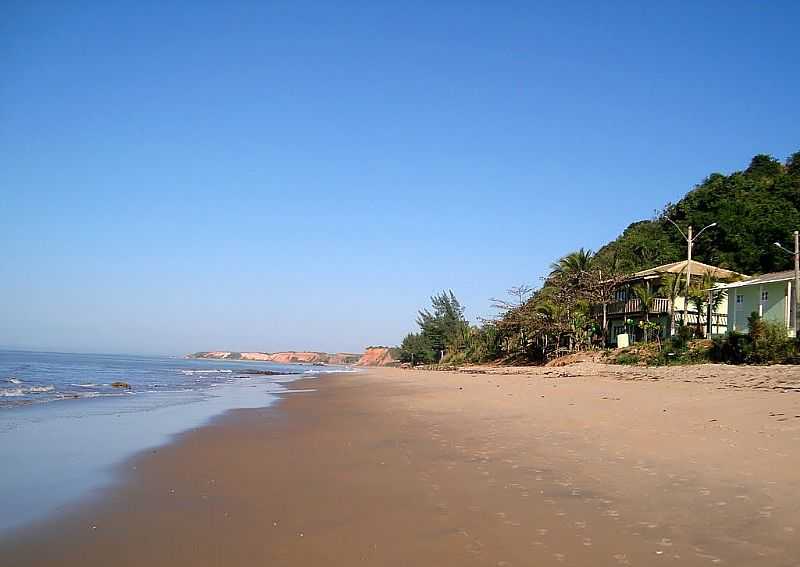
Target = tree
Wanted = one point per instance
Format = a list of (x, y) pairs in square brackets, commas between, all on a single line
[(672, 285), (415, 349), (646, 297), (573, 265), (703, 299), (605, 277), (444, 326), (510, 323), (793, 164)]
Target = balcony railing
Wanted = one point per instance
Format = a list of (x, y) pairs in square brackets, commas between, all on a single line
[(659, 305)]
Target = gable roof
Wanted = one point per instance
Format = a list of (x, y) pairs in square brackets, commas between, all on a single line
[(788, 275), (698, 268)]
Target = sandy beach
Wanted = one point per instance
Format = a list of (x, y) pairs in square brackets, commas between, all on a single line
[(582, 465)]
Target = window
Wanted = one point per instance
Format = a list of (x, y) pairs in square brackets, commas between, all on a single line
[(620, 295), (764, 295), (739, 299)]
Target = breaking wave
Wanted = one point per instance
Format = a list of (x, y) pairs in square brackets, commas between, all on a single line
[(16, 392)]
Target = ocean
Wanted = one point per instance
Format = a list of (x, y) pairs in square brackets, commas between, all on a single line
[(64, 426)]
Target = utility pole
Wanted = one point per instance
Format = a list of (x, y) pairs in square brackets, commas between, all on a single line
[(796, 279), (796, 255), (689, 244)]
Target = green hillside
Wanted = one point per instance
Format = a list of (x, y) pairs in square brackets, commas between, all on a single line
[(753, 209)]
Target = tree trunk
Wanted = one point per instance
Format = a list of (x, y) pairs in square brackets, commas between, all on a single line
[(671, 316)]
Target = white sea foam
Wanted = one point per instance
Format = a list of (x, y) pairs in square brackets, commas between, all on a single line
[(86, 385), (11, 392), (337, 371), (17, 392), (15, 380), (220, 371)]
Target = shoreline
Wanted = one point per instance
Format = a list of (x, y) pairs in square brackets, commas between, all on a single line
[(398, 467), (62, 452)]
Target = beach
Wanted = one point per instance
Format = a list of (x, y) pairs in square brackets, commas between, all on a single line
[(581, 465)]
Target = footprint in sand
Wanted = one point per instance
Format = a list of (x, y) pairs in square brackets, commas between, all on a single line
[(622, 559), (474, 546)]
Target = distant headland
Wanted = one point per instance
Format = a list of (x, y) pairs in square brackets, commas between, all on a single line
[(372, 356)]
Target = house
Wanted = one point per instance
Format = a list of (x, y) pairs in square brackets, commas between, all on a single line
[(769, 295), (624, 315)]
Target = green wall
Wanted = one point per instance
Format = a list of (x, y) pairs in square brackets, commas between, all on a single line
[(774, 308)]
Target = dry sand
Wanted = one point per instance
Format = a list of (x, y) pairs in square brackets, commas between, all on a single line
[(582, 465)]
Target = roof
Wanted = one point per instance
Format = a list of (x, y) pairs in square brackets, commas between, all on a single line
[(698, 268), (765, 278)]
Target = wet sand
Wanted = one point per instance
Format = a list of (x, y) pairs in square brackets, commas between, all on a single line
[(565, 466)]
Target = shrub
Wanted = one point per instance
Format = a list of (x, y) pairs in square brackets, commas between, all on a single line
[(630, 358), (772, 345), (765, 343), (733, 348)]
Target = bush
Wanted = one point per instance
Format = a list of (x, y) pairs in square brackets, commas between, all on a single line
[(630, 358), (733, 348), (765, 343), (683, 334), (678, 351), (772, 345)]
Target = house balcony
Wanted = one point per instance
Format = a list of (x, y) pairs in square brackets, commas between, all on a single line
[(633, 306)]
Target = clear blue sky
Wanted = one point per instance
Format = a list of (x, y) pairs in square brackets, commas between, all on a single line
[(187, 176)]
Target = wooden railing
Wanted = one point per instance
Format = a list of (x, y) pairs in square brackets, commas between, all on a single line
[(660, 305)]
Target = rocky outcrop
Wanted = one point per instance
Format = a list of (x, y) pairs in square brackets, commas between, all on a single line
[(377, 356), (373, 356), (291, 357)]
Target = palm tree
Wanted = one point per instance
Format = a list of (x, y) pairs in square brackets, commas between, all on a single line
[(672, 285), (573, 264), (647, 297), (605, 281), (701, 297)]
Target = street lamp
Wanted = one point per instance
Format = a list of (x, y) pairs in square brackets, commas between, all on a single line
[(689, 243), (796, 255)]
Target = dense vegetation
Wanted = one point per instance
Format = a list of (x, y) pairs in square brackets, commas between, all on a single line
[(764, 343), (445, 332), (752, 208)]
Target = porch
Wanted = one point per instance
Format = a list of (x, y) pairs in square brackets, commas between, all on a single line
[(634, 305)]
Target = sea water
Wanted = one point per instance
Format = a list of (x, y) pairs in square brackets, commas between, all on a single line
[(63, 425)]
